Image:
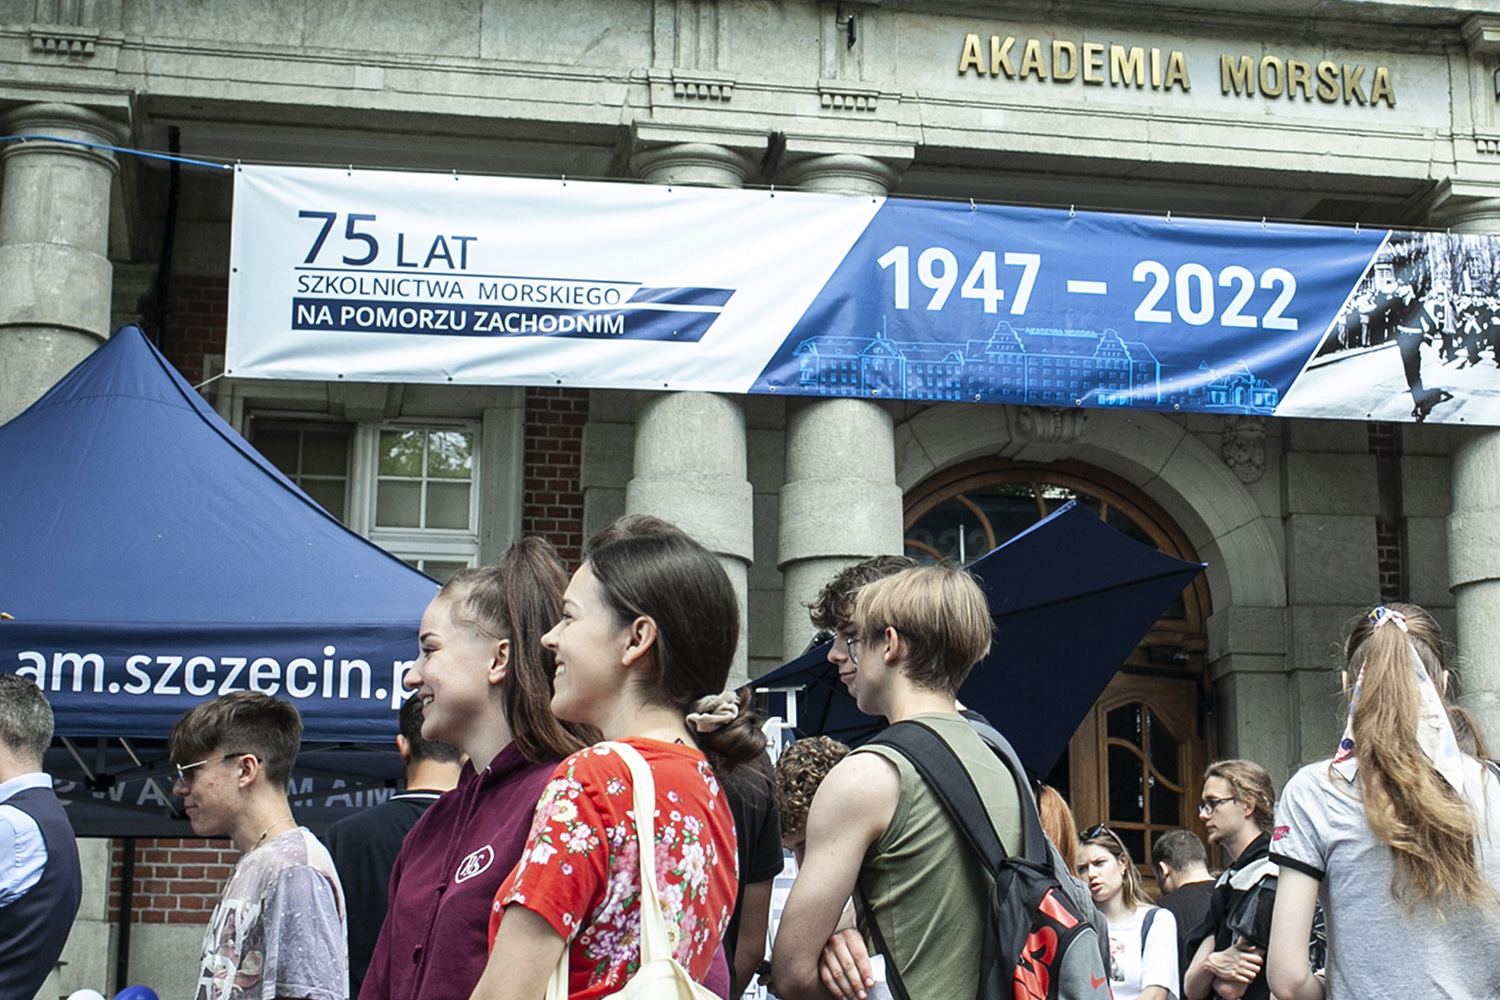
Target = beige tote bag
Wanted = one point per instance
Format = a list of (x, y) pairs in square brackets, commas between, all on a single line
[(660, 976)]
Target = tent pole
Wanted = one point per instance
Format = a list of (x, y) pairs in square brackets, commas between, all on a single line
[(87, 773)]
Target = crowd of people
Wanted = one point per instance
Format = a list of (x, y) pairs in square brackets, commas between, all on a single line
[(587, 807)]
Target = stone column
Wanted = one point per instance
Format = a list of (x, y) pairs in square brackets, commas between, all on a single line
[(690, 465), (840, 503), (54, 228), (1474, 527)]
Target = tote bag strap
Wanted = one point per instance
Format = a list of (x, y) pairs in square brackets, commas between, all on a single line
[(654, 946)]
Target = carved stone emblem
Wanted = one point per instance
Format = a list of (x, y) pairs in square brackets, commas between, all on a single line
[(1050, 424), (1243, 445)]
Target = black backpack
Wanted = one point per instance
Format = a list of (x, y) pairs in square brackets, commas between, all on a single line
[(1038, 943)]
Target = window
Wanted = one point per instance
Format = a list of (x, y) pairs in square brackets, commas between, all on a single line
[(412, 489), (424, 507), (315, 456), (426, 479)]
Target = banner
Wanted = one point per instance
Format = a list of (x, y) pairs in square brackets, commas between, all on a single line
[(380, 276), (344, 678)]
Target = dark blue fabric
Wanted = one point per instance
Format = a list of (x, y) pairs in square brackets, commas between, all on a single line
[(1071, 597), (151, 558), (34, 928)]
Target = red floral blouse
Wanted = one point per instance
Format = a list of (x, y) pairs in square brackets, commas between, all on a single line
[(579, 870)]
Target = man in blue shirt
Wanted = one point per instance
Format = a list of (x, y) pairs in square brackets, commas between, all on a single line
[(40, 881)]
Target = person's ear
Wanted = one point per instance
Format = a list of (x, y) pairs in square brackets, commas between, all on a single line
[(250, 769), (403, 747), (894, 645), (640, 640), (500, 665)]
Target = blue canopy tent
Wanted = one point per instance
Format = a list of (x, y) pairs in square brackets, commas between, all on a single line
[(153, 560)]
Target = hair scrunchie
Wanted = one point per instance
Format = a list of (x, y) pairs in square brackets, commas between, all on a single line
[(714, 711)]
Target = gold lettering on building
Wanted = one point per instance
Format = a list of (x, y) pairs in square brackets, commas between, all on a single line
[(1177, 74), (1062, 60), (1123, 65), (1031, 62), (1093, 63), (1244, 75)]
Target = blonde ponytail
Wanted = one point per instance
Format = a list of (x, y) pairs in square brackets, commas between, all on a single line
[(1428, 824)]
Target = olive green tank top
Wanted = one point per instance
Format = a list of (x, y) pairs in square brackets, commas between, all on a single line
[(927, 890)]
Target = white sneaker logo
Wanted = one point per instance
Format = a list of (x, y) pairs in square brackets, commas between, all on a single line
[(475, 864)]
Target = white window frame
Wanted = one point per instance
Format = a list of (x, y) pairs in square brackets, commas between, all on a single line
[(413, 544)]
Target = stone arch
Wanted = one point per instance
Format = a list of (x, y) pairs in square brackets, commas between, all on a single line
[(1166, 461)]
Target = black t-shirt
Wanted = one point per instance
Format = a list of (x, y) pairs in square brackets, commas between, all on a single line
[(364, 848), (1189, 904), (757, 827)]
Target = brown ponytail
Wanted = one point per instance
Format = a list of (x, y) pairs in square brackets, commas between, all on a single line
[(1428, 825)]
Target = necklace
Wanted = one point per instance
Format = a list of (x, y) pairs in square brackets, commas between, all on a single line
[(284, 819)]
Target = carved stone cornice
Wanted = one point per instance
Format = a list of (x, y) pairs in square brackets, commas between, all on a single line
[(691, 85), (838, 95)]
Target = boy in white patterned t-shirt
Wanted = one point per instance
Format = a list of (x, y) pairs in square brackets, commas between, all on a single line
[(278, 929)]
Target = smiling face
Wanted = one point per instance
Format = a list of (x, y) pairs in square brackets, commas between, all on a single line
[(455, 674), (590, 647), (864, 670), (1101, 871)]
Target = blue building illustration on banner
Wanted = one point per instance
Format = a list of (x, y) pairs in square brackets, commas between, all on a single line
[(1032, 365)]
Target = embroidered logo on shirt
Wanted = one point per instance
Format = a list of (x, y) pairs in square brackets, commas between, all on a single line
[(1280, 831), (475, 864)]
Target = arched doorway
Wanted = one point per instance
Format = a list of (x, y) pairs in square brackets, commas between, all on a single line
[(1135, 761)]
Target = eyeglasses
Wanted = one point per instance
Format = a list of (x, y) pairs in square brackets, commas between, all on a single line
[(1097, 830), (1209, 804), (183, 770), (823, 635), (851, 643)]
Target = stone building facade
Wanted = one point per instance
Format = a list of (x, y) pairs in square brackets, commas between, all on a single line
[(1369, 112)]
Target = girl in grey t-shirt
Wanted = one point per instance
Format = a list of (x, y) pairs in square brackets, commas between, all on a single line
[(1394, 835)]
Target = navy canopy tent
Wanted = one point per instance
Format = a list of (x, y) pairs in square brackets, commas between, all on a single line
[(153, 560)]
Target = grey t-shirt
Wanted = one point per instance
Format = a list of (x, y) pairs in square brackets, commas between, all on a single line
[(1376, 949), (278, 930)]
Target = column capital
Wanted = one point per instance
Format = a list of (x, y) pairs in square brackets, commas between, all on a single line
[(62, 121), (1482, 33), (853, 165), (693, 163), (1473, 209), (667, 154), (840, 173)]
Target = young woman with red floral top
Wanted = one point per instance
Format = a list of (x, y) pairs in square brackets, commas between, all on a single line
[(648, 633)]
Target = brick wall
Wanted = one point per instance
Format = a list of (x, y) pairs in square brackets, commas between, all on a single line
[(177, 880), (552, 503), (197, 318)]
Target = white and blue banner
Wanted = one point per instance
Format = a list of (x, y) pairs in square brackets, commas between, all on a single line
[(390, 277)]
